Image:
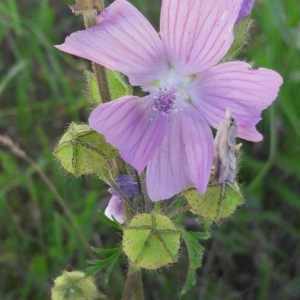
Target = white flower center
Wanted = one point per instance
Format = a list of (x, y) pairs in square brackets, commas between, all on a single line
[(170, 93)]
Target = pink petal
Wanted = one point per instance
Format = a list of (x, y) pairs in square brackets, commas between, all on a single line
[(131, 124), (197, 33), (123, 40), (241, 89), (115, 209), (184, 157)]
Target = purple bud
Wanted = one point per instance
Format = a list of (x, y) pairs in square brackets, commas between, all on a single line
[(127, 185), (245, 10), (115, 209)]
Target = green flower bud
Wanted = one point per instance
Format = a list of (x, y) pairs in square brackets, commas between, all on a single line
[(83, 151), (151, 241), (74, 286), (220, 201)]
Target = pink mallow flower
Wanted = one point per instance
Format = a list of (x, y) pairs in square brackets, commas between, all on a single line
[(188, 88)]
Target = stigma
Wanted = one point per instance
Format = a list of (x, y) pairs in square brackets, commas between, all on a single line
[(164, 101)]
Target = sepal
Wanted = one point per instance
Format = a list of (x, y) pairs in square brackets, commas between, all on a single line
[(220, 201), (75, 285), (83, 151), (151, 241)]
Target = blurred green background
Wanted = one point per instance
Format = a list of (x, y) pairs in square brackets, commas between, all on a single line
[(253, 255)]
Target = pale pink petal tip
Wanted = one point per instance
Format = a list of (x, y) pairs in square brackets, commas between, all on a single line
[(131, 124), (115, 209), (238, 87)]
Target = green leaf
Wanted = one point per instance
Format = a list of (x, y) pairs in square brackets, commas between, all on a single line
[(200, 235), (110, 222), (104, 250), (114, 260), (99, 264), (195, 252)]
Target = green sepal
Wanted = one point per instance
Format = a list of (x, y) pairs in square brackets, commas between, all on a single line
[(83, 151), (75, 285), (195, 252), (116, 83), (93, 88), (105, 174), (218, 202), (241, 33), (151, 241)]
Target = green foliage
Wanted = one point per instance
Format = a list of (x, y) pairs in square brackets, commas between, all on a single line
[(195, 252), (109, 262)]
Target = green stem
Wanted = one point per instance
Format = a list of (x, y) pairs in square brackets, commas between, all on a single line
[(133, 286), (147, 201), (128, 286), (138, 291), (90, 20)]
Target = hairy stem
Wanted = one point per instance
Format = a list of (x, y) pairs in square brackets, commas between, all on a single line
[(128, 286), (138, 292), (90, 20), (133, 286), (147, 200)]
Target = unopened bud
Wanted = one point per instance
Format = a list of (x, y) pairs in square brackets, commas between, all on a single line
[(83, 151), (74, 285), (115, 208), (219, 201)]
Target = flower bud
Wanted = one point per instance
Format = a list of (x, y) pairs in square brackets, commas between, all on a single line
[(83, 151), (115, 208), (151, 241), (127, 185), (74, 285), (219, 201)]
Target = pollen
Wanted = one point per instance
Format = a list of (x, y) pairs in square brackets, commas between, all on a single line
[(164, 100)]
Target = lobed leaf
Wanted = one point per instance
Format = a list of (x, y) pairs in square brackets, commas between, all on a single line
[(195, 252)]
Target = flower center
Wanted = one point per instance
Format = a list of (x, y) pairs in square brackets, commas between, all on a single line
[(163, 101), (170, 93)]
